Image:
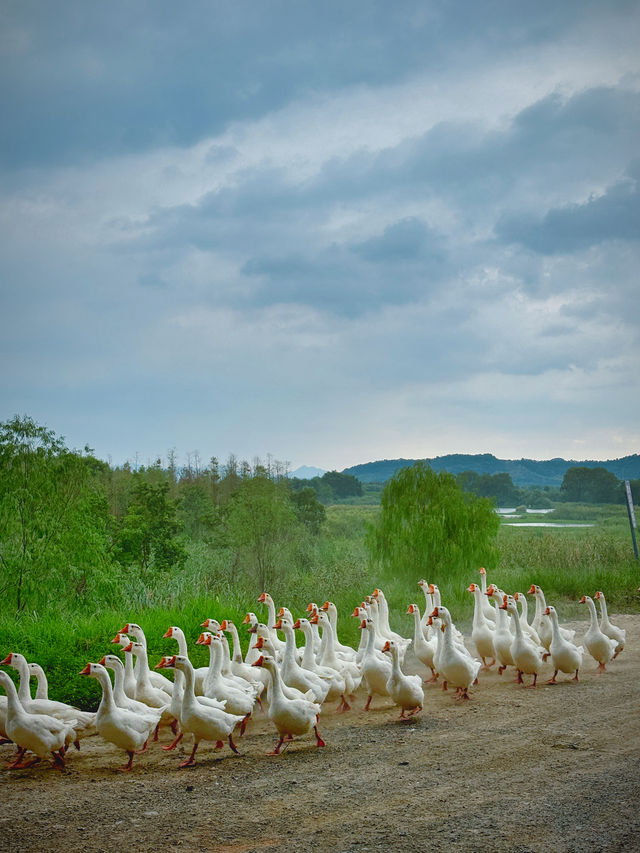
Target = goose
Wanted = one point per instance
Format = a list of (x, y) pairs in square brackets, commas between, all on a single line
[(457, 635), (129, 676), (289, 716), (487, 609), (502, 637), (405, 690), (202, 721), (521, 599), (147, 693), (360, 613), (565, 656), (350, 671), (543, 626), (41, 734), (239, 682), (615, 633), (292, 673), (376, 667), (342, 651), (251, 620), (123, 728), (428, 607), (527, 658), (37, 672), (600, 647), (423, 649), (483, 632), (312, 609), (265, 648), (218, 687), (456, 668), (238, 666), (402, 643), (337, 684), (265, 598), (200, 673), (121, 699), (156, 678), (84, 723)]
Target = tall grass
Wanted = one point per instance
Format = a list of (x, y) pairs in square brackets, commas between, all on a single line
[(566, 563)]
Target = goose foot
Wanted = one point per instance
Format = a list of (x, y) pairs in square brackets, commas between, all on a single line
[(155, 734), (174, 744), (191, 759), (319, 741), (368, 703), (552, 680), (519, 679), (76, 743), (128, 766), (343, 706), (434, 677), (276, 749), (575, 677), (144, 747), (415, 711), (243, 724), (231, 744), (444, 685), (501, 669), (461, 693), (601, 668), (58, 760), (20, 765), (533, 683), (486, 666)]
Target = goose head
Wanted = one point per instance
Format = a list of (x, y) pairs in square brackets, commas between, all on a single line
[(211, 624)]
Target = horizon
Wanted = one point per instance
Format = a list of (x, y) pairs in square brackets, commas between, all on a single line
[(323, 233)]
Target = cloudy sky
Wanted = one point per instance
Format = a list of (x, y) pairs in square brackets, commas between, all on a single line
[(332, 232)]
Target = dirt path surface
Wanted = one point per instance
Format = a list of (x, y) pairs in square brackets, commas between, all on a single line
[(552, 769)]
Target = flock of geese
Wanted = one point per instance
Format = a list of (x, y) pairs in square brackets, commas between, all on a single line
[(212, 703)]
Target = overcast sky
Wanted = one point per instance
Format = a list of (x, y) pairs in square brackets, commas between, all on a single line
[(332, 232)]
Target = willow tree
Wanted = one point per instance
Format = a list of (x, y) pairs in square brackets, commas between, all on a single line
[(429, 526)]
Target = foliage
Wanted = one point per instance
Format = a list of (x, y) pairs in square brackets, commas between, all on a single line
[(53, 522), (308, 509), (498, 487), (427, 524), (331, 487), (148, 533), (261, 522), (590, 485)]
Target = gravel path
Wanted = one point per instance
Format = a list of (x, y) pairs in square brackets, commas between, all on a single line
[(552, 769)]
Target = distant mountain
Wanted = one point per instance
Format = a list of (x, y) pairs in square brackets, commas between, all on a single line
[(307, 472), (524, 472)]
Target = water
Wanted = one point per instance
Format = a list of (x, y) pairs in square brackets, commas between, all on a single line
[(540, 523)]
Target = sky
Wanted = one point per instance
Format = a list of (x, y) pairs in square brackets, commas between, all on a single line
[(329, 232)]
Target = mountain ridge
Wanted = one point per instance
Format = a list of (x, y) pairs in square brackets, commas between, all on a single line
[(523, 472)]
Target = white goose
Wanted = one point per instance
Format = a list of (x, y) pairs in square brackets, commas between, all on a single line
[(121, 699), (521, 599), (240, 667), (84, 723), (126, 729), (129, 676), (156, 678), (565, 656), (295, 675), (40, 733), (541, 625), (427, 629), (483, 632), (147, 693), (527, 658), (336, 681), (376, 667), (342, 651), (265, 598), (502, 637), (600, 647), (350, 671), (218, 687), (423, 649), (612, 631), (37, 672), (289, 716), (405, 690), (456, 668), (202, 721), (199, 673), (402, 643)]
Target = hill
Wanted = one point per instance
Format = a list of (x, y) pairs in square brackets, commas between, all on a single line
[(523, 472)]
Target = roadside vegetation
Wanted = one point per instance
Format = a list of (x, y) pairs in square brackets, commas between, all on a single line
[(86, 547)]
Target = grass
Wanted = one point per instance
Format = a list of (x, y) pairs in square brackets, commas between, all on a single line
[(566, 563)]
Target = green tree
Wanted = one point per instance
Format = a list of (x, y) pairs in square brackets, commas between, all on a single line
[(428, 523), (149, 531), (54, 519), (590, 485), (308, 509), (261, 522)]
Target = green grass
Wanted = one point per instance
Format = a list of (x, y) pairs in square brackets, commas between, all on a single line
[(566, 563)]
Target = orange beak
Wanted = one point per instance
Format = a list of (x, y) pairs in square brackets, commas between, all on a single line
[(128, 648), (314, 619), (259, 643), (86, 670), (116, 639), (363, 624), (246, 620), (259, 662), (296, 624), (434, 613), (124, 630), (223, 625), (516, 596), (482, 570), (547, 611), (583, 600), (102, 661), (355, 611), (471, 587), (6, 661), (503, 606), (310, 608), (169, 632), (325, 606), (430, 620), (532, 590), (278, 624), (432, 588), (201, 640), (386, 647), (262, 597)]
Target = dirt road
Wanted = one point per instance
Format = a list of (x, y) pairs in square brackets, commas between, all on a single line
[(552, 769)]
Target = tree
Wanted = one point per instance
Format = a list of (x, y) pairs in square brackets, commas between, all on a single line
[(54, 517), (261, 522), (149, 530), (429, 524), (590, 485), (308, 509)]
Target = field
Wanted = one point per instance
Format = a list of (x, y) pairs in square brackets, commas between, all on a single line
[(556, 768)]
